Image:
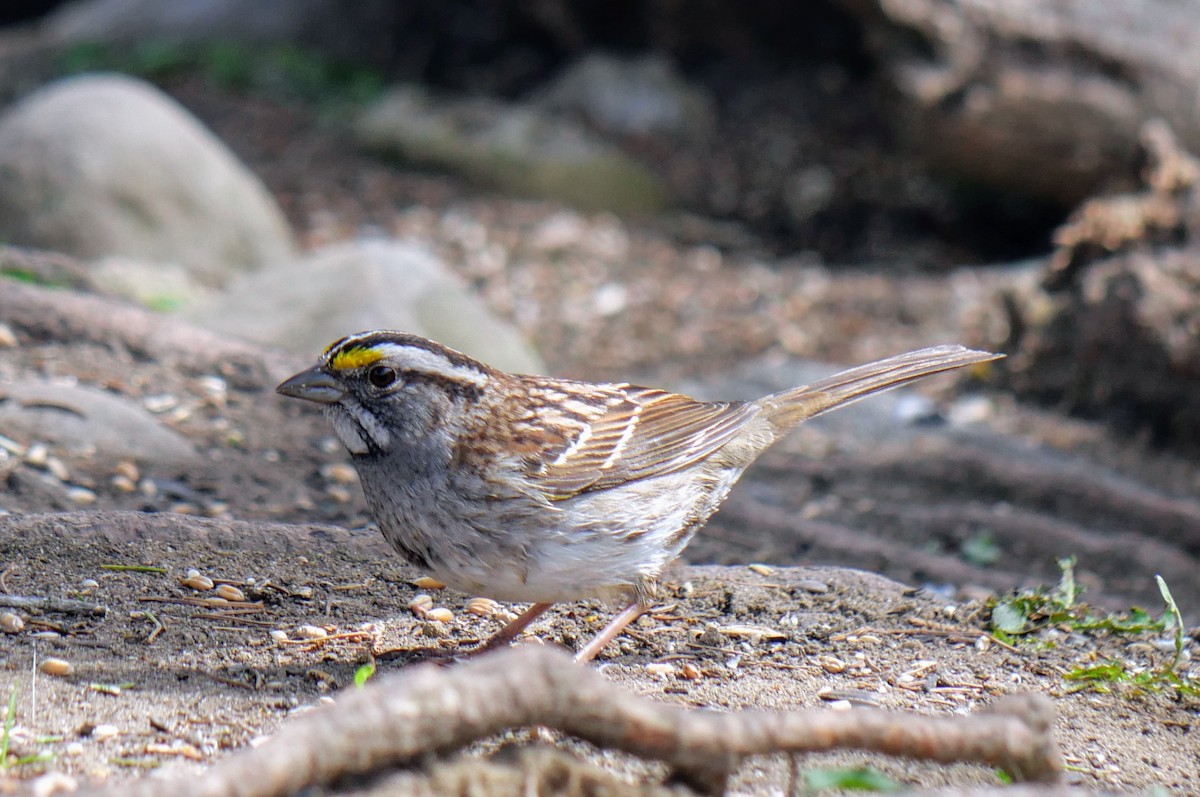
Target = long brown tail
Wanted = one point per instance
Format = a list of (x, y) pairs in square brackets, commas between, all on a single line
[(790, 407)]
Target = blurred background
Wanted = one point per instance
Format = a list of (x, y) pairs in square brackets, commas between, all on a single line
[(711, 196)]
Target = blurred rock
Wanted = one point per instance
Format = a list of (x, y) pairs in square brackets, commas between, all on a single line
[(377, 284), (103, 165), (512, 148), (641, 96), (1113, 330), (1044, 99), (87, 420)]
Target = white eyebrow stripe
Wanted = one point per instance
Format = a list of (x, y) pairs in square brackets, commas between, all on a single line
[(425, 361)]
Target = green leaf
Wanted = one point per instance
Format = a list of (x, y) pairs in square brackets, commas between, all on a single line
[(862, 779), (363, 674), (1010, 619)]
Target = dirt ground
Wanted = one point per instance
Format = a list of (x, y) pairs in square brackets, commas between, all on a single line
[(164, 681)]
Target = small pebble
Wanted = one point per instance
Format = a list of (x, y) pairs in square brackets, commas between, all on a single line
[(11, 623), (8, 338), (691, 671), (56, 667), (74, 749), (230, 592), (440, 615)]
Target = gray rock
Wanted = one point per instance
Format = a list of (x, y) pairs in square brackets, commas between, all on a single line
[(513, 148), (102, 165), (85, 419), (374, 284), (631, 96)]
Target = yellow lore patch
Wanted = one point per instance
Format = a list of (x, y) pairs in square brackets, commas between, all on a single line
[(355, 358)]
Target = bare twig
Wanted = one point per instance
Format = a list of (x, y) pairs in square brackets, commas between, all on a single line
[(51, 604), (402, 719)]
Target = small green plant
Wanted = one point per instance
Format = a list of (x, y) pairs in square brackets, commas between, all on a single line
[(363, 674), (1023, 613), (857, 779), (1105, 676), (10, 719), (282, 71)]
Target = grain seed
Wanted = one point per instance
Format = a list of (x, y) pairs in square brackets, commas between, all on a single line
[(56, 667), (11, 623), (483, 607), (230, 592)]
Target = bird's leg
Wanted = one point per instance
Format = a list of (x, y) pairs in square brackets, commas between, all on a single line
[(615, 626), (510, 632)]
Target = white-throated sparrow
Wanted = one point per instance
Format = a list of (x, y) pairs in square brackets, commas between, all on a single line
[(532, 489)]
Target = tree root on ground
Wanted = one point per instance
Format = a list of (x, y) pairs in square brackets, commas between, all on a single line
[(404, 719)]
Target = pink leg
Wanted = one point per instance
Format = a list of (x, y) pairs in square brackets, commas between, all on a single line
[(510, 632), (615, 626)]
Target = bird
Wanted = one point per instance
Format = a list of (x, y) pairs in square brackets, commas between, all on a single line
[(539, 490)]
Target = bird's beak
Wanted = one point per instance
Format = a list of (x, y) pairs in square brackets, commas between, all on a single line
[(315, 384)]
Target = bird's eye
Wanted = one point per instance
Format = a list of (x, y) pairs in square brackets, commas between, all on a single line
[(382, 376)]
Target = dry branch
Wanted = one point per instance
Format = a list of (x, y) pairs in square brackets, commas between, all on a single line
[(40, 603), (402, 719)]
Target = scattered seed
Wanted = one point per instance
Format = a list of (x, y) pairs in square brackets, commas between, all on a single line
[(160, 403), (128, 470), (751, 632), (661, 669), (81, 495), (483, 607), (122, 484), (311, 632), (105, 731), (762, 570), (831, 664), (340, 472), (8, 338), (338, 493), (440, 615), (691, 671), (198, 582), (11, 623), (74, 749), (505, 616), (230, 592), (36, 455), (279, 635), (425, 582), (56, 468), (57, 667), (89, 583), (420, 604)]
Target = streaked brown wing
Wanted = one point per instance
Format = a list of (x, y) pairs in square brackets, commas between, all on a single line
[(641, 432)]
